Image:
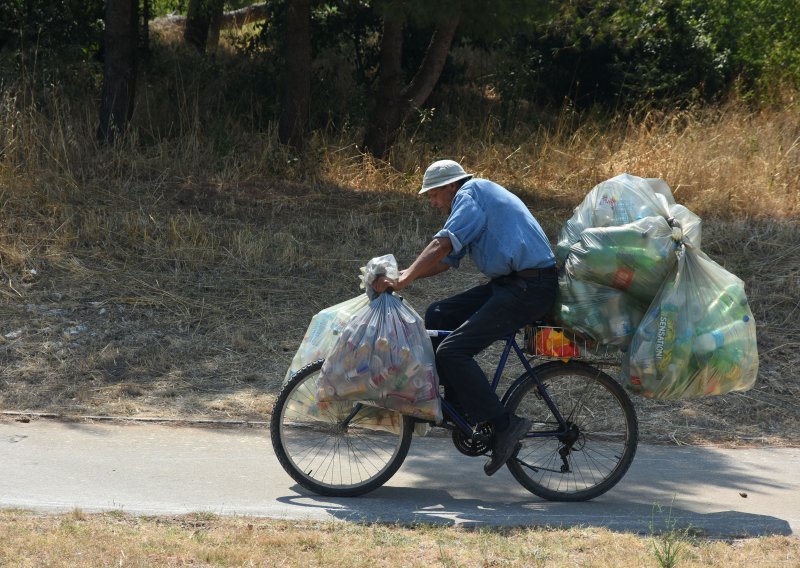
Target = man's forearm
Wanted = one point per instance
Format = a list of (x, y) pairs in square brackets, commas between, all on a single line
[(429, 262)]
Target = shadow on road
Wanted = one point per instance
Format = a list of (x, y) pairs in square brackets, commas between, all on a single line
[(702, 490), (411, 506)]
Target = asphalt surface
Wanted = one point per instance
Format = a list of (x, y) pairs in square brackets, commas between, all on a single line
[(53, 466)]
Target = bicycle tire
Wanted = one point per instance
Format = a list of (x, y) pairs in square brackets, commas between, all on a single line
[(604, 433), (322, 456)]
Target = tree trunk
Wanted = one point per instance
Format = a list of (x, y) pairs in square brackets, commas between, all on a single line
[(198, 20), (145, 36), (296, 104), (394, 103), (390, 108), (119, 75), (215, 23)]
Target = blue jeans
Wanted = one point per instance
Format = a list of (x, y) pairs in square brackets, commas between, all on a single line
[(479, 317)]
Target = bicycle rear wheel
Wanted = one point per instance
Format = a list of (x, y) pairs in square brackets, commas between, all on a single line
[(599, 446), (327, 456)]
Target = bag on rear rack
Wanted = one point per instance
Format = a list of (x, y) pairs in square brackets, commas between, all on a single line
[(698, 338)]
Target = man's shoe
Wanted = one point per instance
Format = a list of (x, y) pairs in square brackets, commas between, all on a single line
[(505, 443)]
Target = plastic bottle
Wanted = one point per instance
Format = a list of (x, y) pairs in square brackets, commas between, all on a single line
[(362, 361), (349, 388), (363, 352), (624, 212), (593, 262), (666, 329), (603, 214), (621, 325), (425, 382), (376, 385), (318, 327), (622, 278), (731, 303), (612, 308), (382, 346), (717, 338), (404, 355)]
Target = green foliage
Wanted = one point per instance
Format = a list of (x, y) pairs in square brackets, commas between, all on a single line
[(160, 8), (626, 51), (599, 54), (163, 7), (764, 41), (485, 23), (346, 43), (49, 43), (669, 545), (52, 25)]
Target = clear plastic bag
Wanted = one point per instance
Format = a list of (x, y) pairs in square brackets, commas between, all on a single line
[(323, 332), (602, 314), (371, 417), (618, 201), (384, 357), (698, 337), (385, 265), (633, 258), (326, 325)]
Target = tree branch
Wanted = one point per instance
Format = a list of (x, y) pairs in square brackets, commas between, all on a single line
[(421, 86)]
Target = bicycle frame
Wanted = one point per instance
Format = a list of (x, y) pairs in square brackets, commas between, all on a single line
[(510, 345)]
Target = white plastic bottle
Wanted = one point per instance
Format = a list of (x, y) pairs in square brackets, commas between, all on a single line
[(713, 340)]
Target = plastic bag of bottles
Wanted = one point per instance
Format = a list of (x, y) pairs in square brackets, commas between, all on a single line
[(618, 201), (698, 337), (324, 331), (601, 314), (633, 258), (370, 417), (384, 357), (385, 265), (326, 325)]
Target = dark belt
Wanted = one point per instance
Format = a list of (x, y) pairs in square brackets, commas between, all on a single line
[(534, 272)]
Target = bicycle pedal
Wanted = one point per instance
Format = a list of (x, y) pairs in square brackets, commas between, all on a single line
[(481, 438)]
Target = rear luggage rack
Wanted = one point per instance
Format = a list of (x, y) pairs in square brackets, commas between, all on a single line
[(561, 344)]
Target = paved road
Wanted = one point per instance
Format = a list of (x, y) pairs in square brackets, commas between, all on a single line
[(155, 469)]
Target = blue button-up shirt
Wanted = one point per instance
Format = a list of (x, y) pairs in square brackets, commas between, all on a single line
[(496, 228)]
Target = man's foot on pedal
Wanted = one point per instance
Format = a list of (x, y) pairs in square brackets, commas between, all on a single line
[(505, 443)]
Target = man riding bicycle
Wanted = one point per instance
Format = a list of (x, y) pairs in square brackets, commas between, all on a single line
[(509, 246)]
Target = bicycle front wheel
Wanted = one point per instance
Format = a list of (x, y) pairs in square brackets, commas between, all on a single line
[(339, 449), (597, 447)]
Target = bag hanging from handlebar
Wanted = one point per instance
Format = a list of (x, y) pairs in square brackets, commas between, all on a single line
[(384, 357), (323, 331)]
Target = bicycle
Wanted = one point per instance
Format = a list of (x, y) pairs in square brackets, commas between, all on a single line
[(582, 441)]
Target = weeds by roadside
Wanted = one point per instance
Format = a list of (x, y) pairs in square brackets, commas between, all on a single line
[(118, 539), (670, 542)]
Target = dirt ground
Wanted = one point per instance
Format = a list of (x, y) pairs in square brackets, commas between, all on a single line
[(109, 328)]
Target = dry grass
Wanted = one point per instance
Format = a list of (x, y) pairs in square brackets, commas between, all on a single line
[(79, 539), (175, 279)]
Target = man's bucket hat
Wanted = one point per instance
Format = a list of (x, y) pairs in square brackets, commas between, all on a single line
[(441, 173)]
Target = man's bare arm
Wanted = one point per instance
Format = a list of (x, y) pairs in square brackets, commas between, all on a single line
[(428, 263)]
